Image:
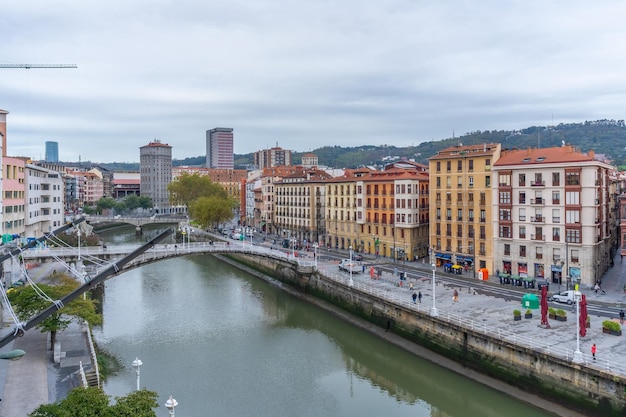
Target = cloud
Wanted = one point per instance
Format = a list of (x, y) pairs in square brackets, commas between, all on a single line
[(301, 74)]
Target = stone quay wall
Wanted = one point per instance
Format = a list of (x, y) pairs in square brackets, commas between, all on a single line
[(590, 390)]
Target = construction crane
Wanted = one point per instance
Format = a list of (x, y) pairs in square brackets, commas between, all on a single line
[(29, 66)]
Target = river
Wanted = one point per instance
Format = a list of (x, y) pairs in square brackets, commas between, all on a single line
[(225, 343)]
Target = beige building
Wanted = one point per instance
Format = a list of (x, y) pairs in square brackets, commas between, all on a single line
[(551, 215), (460, 207), (299, 205)]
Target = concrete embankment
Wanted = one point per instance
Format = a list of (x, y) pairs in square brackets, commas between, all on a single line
[(529, 373)]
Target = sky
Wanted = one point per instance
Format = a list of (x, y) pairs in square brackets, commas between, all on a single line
[(301, 75)]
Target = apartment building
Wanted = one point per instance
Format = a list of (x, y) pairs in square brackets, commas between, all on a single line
[(551, 215), (460, 207), (219, 148), (273, 157), (299, 204), (14, 196), (44, 200)]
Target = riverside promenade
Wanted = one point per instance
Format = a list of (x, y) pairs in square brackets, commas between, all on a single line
[(35, 379)]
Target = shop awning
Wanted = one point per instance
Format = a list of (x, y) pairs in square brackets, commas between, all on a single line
[(469, 259), (457, 266)]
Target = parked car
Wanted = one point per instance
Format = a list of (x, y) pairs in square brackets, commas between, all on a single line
[(347, 265), (564, 297), (357, 257)]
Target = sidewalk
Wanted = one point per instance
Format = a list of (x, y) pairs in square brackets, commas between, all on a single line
[(35, 379)]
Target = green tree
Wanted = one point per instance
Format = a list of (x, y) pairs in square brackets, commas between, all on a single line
[(93, 402), (27, 303), (188, 188), (211, 210), (105, 203)]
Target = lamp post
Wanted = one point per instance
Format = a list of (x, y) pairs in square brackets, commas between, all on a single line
[(578, 355), (137, 364), (350, 283), (433, 310), (170, 404), (315, 245)]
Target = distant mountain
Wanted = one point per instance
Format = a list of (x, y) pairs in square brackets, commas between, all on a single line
[(602, 136)]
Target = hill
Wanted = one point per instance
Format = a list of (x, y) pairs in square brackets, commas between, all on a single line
[(602, 136)]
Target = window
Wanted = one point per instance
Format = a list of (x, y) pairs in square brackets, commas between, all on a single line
[(505, 197), (522, 180), (507, 249), (556, 179), (522, 214), (522, 251), (572, 178), (459, 215), (505, 214), (572, 216), (448, 182), (438, 166), (522, 232), (471, 165), (504, 180), (438, 213), (448, 166), (505, 231), (572, 197), (572, 236), (471, 215), (459, 182), (487, 181), (556, 234), (459, 165), (556, 197), (449, 214), (470, 181), (522, 197), (575, 257), (459, 230), (459, 198), (448, 197), (538, 179), (556, 216), (438, 182)]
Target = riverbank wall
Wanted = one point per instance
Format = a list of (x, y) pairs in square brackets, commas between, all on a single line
[(591, 391)]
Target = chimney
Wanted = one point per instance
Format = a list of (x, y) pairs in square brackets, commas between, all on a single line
[(592, 154)]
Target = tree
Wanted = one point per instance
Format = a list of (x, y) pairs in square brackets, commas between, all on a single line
[(211, 210), (92, 401), (188, 188), (27, 303)]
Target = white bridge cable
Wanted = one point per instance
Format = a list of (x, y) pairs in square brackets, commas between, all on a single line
[(9, 307), (41, 293), (100, 263)]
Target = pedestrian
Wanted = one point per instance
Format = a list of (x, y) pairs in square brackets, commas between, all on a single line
[(593, 351), (414, 297), (175, 248), (419, 297), (596, 288), (456, 296), (621, 316), (411, 285)]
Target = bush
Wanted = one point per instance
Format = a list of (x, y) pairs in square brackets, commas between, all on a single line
[(529, 311), (551, 311), (611, 325), (561, 313), (517, 313)]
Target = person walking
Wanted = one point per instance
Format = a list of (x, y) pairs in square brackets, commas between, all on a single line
[(411, 285), (456, 296), (621, 317), (414, 297), (593, 351), (419, 297)]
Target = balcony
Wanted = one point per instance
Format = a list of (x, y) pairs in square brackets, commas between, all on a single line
[(538, 237), (556, 220), (537, 219), (522, 235), (537, 183), (556, 201), (537, 201), (556, 238)]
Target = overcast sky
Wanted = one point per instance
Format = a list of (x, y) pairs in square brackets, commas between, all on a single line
[(301, 74)]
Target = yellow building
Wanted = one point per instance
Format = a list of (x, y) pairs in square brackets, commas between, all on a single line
[(461, 231)]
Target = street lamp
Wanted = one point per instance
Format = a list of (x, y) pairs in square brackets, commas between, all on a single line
[(315, 245), (433, 310), (137, 364), (350, 283), (578, 355), (170, 404)]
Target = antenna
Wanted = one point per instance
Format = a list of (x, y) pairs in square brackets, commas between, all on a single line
[(29, 66)]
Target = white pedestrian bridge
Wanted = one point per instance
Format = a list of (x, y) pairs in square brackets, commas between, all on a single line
[(98, 258)]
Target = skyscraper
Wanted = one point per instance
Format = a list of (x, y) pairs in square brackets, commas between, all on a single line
[(155, 165), (52, 151), (219, 148), (3, 131)]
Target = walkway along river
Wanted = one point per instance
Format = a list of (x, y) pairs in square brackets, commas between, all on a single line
[(224, 343)]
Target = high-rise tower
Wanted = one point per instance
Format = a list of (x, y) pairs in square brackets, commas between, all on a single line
[(155, 162), (3, 130), (219, 148), (52, 151)]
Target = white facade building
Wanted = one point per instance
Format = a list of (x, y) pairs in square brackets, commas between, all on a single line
[(44, 200)]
